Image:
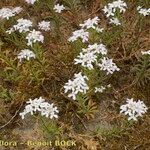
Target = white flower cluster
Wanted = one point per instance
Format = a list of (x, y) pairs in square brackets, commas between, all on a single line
[(143, 11), (82, 33), (91, 23), (9, 12), (23, 25), (39, 105), (78, 84), (79, 34), (44, 25), (34, 36), (133, 109), (25, 54), (96, 48), (101, 89), (108, 65), (146, 52), (86, 59), (58, 8), (115, 21), (111, 8), (31, 1), (89, 56)]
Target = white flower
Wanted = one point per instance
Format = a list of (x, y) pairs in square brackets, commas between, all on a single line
[(89, 55), (90, 23), (121, 5), (39, 105), (111, 8), (139, 7), (22, 114), (35, 103), (79, 34), (58, 8), (108, 65), (109, 85), (78, 84), (99, 89), (96, 48), (31, 1), (146, 52), (86, 59), (133, 109), (9, 12), (25, 54), (44, 25), (34, 36), (23, 25), (115, 21), (9, 31), (143, 11), (108, 11), (99, 29), (16, 10), (49, 110)]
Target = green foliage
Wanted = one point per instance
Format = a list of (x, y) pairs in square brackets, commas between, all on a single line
[(86, 106), (111, 35), (142, 71), (50, 128), (5, 94), (109, 132), (72, 4), (10, 72)]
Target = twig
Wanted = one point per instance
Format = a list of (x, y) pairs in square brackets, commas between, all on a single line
[(94, 12), (126, 87), (3, 126), (81, 121)]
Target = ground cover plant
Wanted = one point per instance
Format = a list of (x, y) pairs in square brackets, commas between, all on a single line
[(74, 74)]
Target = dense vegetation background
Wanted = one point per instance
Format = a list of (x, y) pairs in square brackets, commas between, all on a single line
[(96, 125)]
